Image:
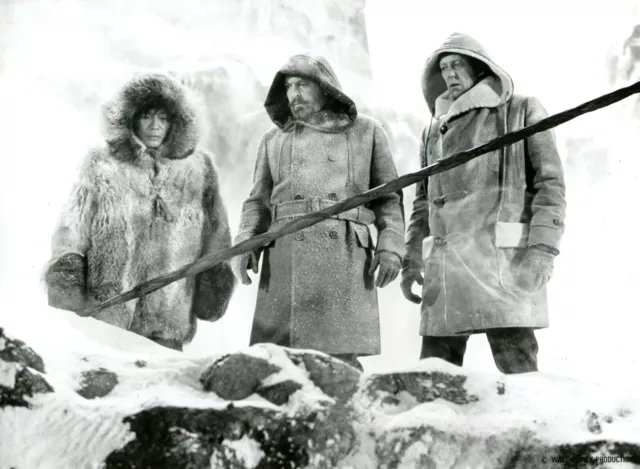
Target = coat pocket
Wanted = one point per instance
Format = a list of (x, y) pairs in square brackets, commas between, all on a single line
[(432, 285), (512, 235), (427, 247), (362, 235), (511, 246)]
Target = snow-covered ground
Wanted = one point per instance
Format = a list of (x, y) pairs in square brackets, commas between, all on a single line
[(432, 410), (555, 50)]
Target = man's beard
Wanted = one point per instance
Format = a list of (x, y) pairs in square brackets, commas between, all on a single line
[(302, 111)]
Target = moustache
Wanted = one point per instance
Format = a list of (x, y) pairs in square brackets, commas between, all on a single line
[(298, 101)]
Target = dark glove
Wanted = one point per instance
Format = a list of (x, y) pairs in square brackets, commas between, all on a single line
[(65, 279), (214, 288), (412, 272), (241, 264), (536, 267), (389, 264)]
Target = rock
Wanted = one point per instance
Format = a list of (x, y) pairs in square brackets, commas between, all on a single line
[(191, 438), (426, 446), (18, 382), (593, 423), (236, 376), (422, 386), (593, 455), (279, 393), (12, 350), (97, 383), (334, 377)]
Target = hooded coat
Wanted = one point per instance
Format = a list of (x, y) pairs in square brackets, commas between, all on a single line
[(473, 224), (135, 214), (315, 291)]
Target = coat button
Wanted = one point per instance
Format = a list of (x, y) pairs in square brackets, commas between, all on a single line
[(444, 128), (299, 236), (297, 161), (438, 201), (439, 241), (333, 234), (557, 222), (299, 197), (333, 196)]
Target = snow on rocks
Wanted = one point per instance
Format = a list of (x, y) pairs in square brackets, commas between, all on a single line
[(268, 406)]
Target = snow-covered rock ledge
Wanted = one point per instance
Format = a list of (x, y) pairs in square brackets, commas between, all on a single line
[(269, 407)]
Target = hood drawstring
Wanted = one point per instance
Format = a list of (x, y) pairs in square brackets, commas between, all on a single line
[(159, 207)]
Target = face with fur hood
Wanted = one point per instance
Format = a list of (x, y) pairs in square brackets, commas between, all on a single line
[(152, 126), (154, 111)]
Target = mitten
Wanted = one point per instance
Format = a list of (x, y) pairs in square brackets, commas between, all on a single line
[(65, 279), (412, 272), (536, 267)]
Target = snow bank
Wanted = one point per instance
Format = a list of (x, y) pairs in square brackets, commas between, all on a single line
[(89, 404)]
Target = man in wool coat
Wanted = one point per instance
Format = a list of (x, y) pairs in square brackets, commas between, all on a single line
[(485, 234), (317, 287), (145, 204)]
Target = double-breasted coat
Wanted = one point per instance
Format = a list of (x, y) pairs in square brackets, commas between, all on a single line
[(315, 290), (473, 224)]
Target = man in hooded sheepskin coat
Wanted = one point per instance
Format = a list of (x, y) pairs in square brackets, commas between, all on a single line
[(489, 230), (145, 204), (317, 288)]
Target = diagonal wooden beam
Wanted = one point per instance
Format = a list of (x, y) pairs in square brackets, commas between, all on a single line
[(396, 185)]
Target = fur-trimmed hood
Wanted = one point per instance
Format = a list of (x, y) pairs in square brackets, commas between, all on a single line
[(316, 68), (118, 114), (434, 87)]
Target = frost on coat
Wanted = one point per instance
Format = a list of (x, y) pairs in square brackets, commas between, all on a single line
[(314, 289), (135, 214), (477, 220)]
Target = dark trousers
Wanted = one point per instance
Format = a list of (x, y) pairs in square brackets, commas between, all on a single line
[(515, 349), (351, 359)]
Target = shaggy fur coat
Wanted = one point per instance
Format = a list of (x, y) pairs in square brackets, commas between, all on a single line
[(135, 213)]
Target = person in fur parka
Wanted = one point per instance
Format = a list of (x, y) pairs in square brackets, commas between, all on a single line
[(145, 204)]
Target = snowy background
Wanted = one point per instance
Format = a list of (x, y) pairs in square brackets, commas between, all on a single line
[(60, 59)]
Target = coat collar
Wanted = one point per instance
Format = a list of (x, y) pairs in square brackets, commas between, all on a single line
[(484, 94), (325, 120)]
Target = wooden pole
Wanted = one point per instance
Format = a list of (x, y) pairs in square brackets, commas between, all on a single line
[(396, 185)]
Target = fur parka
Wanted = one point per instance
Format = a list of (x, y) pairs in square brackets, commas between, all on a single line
[(135, 214)]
